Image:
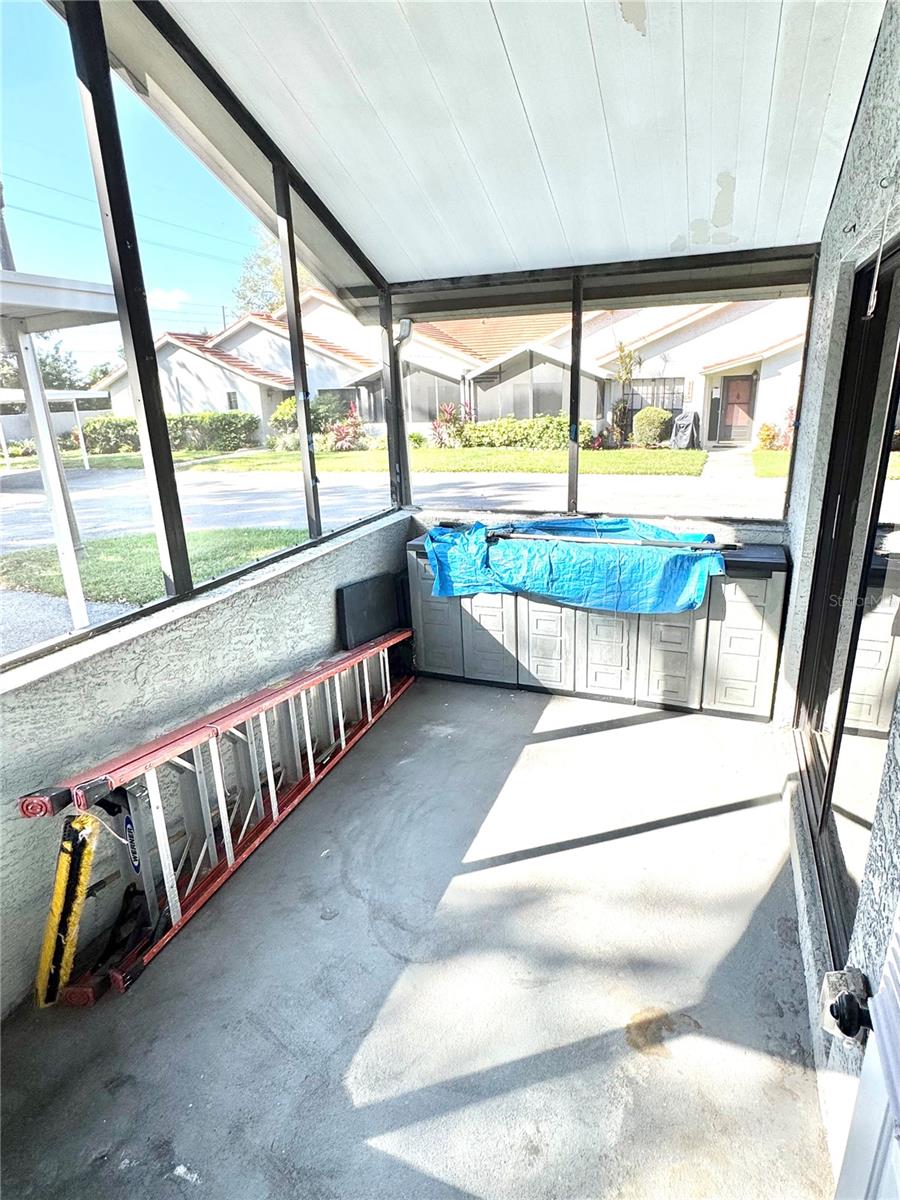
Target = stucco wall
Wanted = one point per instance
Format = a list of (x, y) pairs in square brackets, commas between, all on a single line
[(778, 388), (272, 351), (191, 384), (72, 709)]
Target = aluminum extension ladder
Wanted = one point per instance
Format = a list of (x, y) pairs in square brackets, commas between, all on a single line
[(189, 808)]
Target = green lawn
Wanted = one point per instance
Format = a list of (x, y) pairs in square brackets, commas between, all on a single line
[(127, 461), (773, 464), (126, 569), (485, 459)]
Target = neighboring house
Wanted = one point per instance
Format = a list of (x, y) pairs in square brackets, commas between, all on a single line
[(736, 364), (246, 367)]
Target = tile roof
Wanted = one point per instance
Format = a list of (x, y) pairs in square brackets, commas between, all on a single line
[(487, 338), (315, 341), (199, 344)]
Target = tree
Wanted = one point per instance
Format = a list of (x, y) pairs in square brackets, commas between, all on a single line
[(627, 362), (261, 285), (98, 372), (59, 370)]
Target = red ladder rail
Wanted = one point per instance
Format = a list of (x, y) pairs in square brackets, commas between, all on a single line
[(280, 742)]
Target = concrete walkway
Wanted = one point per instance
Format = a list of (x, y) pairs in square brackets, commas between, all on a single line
[(513, 948)]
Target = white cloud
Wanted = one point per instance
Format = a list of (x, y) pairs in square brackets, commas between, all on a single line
[(170, 299)]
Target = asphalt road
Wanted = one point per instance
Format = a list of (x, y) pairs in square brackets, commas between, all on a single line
[(114, 502)]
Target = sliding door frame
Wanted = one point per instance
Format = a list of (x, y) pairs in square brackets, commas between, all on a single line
[(838, 537)]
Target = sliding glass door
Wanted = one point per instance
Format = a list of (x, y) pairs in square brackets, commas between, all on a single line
[(850, 670)]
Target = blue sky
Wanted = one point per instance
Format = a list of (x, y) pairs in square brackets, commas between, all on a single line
[(193, 233)]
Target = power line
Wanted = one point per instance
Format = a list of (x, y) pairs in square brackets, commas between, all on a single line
[(144, 241), (145, 216)]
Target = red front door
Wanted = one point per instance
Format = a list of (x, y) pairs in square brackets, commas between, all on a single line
[(737, 409)]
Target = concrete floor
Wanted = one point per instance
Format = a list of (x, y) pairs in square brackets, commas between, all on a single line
[(514, 947)]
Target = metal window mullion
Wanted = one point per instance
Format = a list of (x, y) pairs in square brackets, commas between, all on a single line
[(108, 163), (290, 274), (575, 391), (398, 450), (162, 844)]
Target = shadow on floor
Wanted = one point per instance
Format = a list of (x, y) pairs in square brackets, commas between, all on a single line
[(363, 1014)]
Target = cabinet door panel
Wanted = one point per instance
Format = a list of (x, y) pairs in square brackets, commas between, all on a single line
[(546, 637)]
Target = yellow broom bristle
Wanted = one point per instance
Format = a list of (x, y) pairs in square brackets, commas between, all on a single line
[(66, 906)]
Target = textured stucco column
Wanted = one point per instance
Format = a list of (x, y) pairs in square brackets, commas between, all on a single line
[(851, 235)]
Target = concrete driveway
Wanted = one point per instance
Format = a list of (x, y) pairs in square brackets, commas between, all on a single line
[(108, 502)]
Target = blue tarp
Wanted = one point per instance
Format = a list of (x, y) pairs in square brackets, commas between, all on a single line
[(638, 579)]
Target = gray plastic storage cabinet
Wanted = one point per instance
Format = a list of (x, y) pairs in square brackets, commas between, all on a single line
[(489, 638), (606, 650), (437, 620), (745, 607), (721, 656), (546, 644), (671, 650), (473, 638)]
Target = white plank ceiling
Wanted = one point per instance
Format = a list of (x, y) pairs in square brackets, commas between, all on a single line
[(459, 138)]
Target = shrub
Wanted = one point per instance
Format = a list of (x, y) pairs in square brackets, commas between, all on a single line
[(285, 441), (24, 449), (284, 418), (447, 429), (651, 426), (324, 411), (417, 440), (348, 434), (111, 435), (532, 433), (69, 440), (768, 437), (224, 432)]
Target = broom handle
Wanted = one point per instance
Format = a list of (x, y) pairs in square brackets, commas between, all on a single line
[(585, 541)]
